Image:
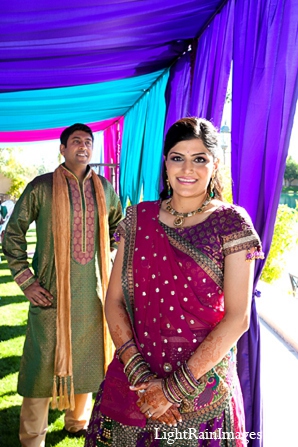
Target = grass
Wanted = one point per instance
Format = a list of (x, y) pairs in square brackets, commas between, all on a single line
[(14, 309)]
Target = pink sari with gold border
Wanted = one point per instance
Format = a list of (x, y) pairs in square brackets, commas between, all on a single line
[(173, 289)]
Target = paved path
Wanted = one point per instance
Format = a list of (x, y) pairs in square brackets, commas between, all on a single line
[(279, 366), (279, 309)]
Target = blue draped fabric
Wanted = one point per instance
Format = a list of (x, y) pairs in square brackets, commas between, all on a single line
[(153, 139), (131, 153), (141, 151), (265, 90), (50, 108), (212, 67)]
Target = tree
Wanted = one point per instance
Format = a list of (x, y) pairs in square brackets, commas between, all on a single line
[(19, 174), (226, 181), (284, 237), (291, 172)]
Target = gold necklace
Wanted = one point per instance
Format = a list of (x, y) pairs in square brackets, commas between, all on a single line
[(180, 217)]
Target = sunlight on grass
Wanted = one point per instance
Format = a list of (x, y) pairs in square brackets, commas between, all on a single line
[(10, 347), (14, 311), (8, 393), (69, 443)]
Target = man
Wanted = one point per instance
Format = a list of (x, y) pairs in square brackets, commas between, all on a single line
[(76, 214)]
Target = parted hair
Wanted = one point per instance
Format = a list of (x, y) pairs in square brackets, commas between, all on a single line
[(189, 129)]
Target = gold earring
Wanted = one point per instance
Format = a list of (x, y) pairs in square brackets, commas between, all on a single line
[(169, 186), (211, 187)]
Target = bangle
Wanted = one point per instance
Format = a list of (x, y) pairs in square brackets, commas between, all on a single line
[(180, 385), (120, 351), (189, 376), (130, 361), (137, 370), (169, 392)]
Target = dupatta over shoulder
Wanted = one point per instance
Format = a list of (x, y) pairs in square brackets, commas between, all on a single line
[(174, 298)]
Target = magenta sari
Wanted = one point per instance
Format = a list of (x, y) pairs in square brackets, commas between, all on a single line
[(173, 288)]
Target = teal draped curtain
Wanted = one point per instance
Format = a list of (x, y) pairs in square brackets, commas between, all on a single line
[(131, 152), (153, 139), (61, 107), (141, 152)]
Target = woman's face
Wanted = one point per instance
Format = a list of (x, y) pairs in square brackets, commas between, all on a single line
[(190, 166)]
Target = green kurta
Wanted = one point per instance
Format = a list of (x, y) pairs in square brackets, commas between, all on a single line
[(35, 204)]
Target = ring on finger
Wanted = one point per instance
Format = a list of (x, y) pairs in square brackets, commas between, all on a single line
[(149, 414)]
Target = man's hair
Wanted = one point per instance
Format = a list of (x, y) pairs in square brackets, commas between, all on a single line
[(71, 129)]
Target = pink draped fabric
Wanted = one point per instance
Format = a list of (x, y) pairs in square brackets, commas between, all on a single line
[(173, 314), (112, 144), (27, 136)]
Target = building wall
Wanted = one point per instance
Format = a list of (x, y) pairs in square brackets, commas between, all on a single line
[(294, 183)]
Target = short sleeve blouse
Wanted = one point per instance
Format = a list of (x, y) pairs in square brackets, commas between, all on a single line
[(227, 230)]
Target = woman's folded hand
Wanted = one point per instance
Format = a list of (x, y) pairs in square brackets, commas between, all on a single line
[(154, 405)]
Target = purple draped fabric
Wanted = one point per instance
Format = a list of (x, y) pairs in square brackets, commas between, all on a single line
[(178, 90), (212, 67), (204, 95), (56, 43), (265, 89)]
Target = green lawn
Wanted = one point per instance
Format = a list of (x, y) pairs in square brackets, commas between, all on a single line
[(13, 311)]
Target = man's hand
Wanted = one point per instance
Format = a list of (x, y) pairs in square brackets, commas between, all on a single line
[(37, 295)]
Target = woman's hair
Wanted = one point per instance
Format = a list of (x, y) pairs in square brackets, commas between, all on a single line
[(190, 129)]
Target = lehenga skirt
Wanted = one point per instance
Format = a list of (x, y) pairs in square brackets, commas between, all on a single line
[(223, 430)]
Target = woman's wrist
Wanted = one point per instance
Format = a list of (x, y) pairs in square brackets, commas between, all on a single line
[(137, 370), (180, 385), (126, 351)]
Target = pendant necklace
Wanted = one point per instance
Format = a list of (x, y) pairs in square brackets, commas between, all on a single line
[(180, 217)]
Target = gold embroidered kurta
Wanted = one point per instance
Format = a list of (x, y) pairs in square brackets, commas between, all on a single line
[(35, 204)]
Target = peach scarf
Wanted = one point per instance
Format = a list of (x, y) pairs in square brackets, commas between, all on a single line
[(63, 372)]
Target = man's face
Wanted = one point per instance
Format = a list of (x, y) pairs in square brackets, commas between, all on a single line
[(78, 151)]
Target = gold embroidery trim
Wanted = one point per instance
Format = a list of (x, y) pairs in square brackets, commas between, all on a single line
[(240, 241)]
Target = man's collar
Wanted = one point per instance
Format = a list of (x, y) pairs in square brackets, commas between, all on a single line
[(68, 173)]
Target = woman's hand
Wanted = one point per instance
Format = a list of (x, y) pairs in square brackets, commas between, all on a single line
[(154, 405), (171, 416)]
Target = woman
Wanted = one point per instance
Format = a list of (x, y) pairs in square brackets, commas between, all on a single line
[(178, 301)]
